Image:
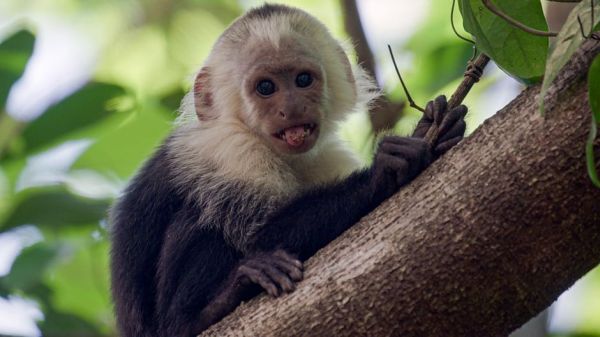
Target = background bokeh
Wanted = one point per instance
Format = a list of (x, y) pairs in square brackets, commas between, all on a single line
[(88, 88)]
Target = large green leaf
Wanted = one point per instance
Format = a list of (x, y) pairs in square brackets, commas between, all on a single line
[(53, 206), (121, 151), (30, 266), (568, 41), (63, 324), (594, 98), (518, 53), (81, 284), (82, 109), (14, 54)]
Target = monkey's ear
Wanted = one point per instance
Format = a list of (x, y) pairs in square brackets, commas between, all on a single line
[(203, 101)]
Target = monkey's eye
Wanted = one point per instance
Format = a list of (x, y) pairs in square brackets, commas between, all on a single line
[(303, 80), (265, 87)]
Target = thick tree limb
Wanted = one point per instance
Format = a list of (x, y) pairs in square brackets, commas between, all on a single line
[(483, 240)]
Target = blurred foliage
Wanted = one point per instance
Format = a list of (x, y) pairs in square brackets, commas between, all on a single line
[(147, 51), (568, 41)]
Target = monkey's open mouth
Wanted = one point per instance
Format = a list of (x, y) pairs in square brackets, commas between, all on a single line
[(294, 136)]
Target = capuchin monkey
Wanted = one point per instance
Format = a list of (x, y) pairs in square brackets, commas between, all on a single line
[(254, 179)]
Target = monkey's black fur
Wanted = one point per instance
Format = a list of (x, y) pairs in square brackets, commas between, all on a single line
[(173, 275)]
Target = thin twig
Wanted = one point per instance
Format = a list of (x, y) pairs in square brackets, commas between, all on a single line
[(591, 33), (411, 103), (490, 5), (472, 76), (454, 27)]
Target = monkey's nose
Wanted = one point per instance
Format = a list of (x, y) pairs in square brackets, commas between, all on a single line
[(282, 114)]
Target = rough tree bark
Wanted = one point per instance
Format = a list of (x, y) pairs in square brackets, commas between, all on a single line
[(482, 241)]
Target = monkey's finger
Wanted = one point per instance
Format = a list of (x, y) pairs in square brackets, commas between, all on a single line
[(289, 264), (443, 147), (411, 149), (279, 277), (411, 141), (458, 129), (289, 257), (440, 105), (397, 165), (421, 129), (290, 269), (409, 153), (428, 114), (258, 277), (451, 118)]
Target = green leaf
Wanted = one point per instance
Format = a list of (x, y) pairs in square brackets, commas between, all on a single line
[(54, 206), (82, 109), (594, 98), (14, 54), (81, 284), (567, 42), (62, 324), (121, 150), (30, 266), (518, 53)]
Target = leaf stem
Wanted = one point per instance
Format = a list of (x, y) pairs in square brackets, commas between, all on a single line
[(454, 27), (490, 5), (408, 97)]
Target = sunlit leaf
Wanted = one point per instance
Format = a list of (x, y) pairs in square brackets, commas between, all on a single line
[(53, 206), (568, 41), (62, 324), (140, 59), (82, 109), (30, 266), (122, 150), (183, 46), (520, 54), (594, 98), (81, 284), (14, 54)]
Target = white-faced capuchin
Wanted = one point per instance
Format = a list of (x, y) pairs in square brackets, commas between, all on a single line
[(254, 179)]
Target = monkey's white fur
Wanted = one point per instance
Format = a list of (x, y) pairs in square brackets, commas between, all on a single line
[(237, 153)]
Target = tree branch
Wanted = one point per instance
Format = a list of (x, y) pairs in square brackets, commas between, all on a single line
[(385, 113), (480, 242), (472, 76)]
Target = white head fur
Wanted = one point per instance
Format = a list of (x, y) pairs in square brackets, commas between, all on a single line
[(233, 150)]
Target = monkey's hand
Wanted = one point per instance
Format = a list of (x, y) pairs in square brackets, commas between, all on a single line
[(398, 160), (276, 272), (451, 124)]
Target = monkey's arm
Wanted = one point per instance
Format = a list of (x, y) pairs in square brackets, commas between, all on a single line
[(138, 222), (193, 266), (322, 214), (319, 216), (201, 278)]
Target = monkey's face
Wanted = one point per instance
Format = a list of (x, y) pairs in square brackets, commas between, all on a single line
[(286, 98)]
